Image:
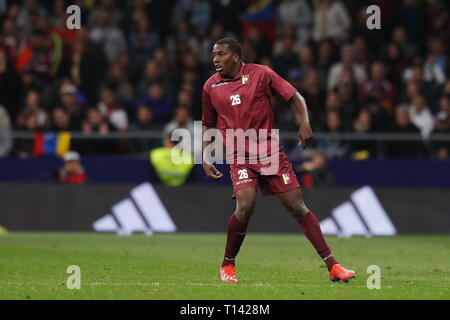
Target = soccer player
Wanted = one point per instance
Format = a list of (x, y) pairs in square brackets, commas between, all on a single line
[(237, 96)]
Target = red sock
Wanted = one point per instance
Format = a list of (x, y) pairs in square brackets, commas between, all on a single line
[(312, 231), (235, 237)]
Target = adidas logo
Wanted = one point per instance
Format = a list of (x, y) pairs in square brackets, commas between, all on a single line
[(362, 215), (143, 211)]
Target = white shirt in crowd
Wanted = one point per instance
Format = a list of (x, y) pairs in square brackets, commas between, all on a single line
[(298, 14), (422, 119), (331, 22)]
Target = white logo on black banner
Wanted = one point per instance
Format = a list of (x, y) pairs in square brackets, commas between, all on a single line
[(142, 212), (362, 215)]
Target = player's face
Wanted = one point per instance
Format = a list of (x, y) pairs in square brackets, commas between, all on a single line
[(224, 60)]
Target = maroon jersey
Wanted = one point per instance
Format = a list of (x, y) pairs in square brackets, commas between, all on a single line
[(244, 101)]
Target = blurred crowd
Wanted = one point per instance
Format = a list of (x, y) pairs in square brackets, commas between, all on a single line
[(140, 65)]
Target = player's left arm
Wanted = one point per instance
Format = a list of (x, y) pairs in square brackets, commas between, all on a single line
[(286, 91), (305, 133)]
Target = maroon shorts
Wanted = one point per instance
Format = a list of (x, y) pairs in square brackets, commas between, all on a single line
[(250, 176)]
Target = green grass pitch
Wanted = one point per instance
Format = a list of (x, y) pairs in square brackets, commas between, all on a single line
[(184, 266)]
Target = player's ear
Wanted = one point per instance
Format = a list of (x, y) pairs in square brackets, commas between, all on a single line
[(235, 57)]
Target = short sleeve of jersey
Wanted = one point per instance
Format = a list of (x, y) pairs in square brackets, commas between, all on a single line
[(278, 85), (209, 114)]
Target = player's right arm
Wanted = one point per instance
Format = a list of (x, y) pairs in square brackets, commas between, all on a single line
[(209, 120)]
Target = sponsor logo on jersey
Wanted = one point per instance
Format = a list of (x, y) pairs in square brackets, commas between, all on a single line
[(245, 79), (243, 181), (214, 85)]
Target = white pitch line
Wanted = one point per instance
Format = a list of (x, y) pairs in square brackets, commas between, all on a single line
[(217, 284)]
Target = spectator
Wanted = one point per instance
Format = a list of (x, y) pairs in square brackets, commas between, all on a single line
[(120, 78), (229, 15), (111, 109), (258, 42), (9, 86), (106, 33), (58, 23), (181, 120), (285, 58), (347, 94), (152, 74), (379, 87), (184, 100), (334, 103), (159, 102), (446, 88), (5, 132), (180, 10), (5, 121), (85, 65), (442, 125), (361, 51), (115, 14), (305, 63), (33, 106), (182, 41), (363, 125), (72, 171), (400, 38), (325, 58), (347, 62), (144, 123), (188, 62), (311, 91), (143, 41), (395, 64), (331, 20), (429, 90), (296, 14), (27, 12), (168, 171), (29, 122), (161, 58), (70, 102), (10, 40), (380, 118), (333, 147), (95, 123), (442, 118), (435, 67), (61, 120), (37, 56), (314, 172), (200, 16), (421, 116), (404, 149), (136, 10)]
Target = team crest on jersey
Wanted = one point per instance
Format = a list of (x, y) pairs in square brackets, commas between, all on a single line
[(286, 179), (245, 79)]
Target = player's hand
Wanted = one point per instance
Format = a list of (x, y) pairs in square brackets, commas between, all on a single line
[(305, 134), (212, 172)]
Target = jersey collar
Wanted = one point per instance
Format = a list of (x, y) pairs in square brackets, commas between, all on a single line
[(236, 77)]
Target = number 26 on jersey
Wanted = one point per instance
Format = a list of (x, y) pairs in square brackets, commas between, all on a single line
[(235, 99)]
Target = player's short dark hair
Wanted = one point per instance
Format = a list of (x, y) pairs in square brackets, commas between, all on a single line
[(233, 44)]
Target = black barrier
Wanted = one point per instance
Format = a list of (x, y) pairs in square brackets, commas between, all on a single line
[(417, 173), (52, 207)]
